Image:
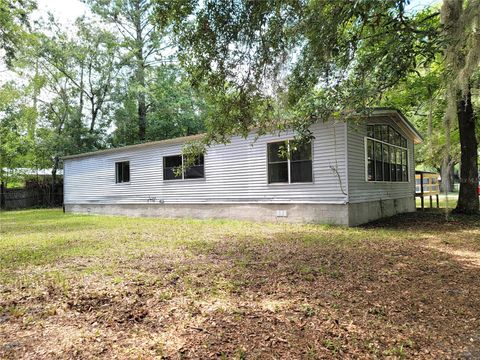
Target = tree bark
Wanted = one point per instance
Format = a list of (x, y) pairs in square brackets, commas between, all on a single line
[(54, 180), (140, 73), (430, 115), (142, 106), (94, 113), (80, 103), (446, 174), (468, 202), (451, 172)]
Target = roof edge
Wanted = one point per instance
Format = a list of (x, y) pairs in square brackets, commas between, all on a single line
[(375, 112), (136, 146), (418, 138)]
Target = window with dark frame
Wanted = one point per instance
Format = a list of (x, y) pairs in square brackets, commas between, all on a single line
[(171, 165), (122, 172), (289, 161), (196, 170), (386, 154)]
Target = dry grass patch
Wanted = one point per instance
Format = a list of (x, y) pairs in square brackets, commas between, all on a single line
[(89, 286)]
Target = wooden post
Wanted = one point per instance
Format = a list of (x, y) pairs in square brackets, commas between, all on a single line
[(430, 201), (421, 189), (438, 205)]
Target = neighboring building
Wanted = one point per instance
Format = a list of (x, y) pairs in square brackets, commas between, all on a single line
[(351, 173)]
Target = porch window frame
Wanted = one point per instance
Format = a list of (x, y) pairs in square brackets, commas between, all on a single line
[(407, 160)]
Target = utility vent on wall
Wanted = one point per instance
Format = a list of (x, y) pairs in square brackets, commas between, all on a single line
[(281, 213)]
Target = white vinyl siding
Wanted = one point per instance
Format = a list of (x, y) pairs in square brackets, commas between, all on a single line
[(359, 188), (233, 173)]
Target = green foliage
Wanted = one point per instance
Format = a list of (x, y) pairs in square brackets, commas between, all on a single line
[(65, 103), (289, 63), (81, 89), (421, 97), (147, 47), (175, 109), (15, 144), (14, 25)]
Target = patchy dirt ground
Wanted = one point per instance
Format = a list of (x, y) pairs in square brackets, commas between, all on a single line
[(91, 287)]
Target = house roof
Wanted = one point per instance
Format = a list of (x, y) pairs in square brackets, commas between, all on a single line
[(395, 114), (401, 120), (142, 145)]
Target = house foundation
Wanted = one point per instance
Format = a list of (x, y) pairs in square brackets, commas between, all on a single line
[(336, 214)]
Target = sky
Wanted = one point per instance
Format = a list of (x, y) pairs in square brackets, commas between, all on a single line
[(66, 11)]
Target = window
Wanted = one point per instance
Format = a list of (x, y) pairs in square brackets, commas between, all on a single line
[(386, 154), (171, 164), (289, 162), (196, 170), (122, 172)]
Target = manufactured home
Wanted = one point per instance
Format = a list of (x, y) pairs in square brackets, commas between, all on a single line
[(352, 172)]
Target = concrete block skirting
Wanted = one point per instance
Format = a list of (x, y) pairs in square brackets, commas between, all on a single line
[(339, 214), (361, 213), (295, 213)]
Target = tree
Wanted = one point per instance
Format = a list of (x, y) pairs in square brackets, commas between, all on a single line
[(175, 108), (300, 62), (90, 62), (67, 83), (144, 41), (421, 96), (80, 76), (15, 148), (461, 25), (13, 23), (291, 63)]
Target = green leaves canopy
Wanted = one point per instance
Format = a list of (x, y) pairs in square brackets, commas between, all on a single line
[(284, 63)]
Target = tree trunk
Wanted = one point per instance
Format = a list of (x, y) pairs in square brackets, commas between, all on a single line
[(451, 169), (142, 111), (140, 74), (94, 113), (445, 172), (33, 123), (430, 115), (468, 202), (54, 180), (80, 103)]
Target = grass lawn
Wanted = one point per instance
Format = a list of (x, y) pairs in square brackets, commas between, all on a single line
[(82, 287), (444, 201)]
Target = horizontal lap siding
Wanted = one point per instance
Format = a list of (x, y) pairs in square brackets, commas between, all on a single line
[(236, 172), (361, 190)]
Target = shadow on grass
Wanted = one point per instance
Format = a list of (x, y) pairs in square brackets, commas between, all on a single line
[(436, 220)]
